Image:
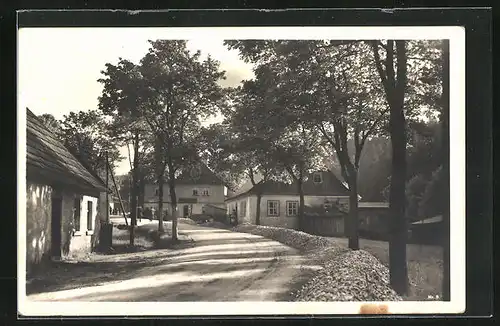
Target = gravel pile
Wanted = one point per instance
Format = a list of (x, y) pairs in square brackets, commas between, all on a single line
[(293, 238), (352, 276), (345, 275)]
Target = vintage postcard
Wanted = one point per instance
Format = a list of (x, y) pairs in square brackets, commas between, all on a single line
[(241, 171)]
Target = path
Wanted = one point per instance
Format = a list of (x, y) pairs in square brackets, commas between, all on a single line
[(222, 266)]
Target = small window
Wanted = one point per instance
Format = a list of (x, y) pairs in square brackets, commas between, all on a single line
[(157, 191), (205, 192), (292, 208), (76, 213), (273, 208), (317, 177), (195, 192), (89, 215)]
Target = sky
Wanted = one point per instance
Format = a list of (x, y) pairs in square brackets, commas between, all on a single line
[(58, 68)]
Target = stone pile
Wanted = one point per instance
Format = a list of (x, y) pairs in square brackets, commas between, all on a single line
[(345, 275)]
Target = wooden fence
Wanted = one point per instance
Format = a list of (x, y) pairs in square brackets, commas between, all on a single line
[(323, 225)]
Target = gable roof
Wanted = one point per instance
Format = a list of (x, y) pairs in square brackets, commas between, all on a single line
[(206, 176), (330, 186), (47, 156)]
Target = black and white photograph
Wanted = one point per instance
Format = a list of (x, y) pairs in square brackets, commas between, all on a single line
[(241, 170)]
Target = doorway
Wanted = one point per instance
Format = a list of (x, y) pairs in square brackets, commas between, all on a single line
[(56, 226), (185, 211)]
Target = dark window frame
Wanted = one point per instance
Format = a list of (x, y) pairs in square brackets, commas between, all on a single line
[(287, 210), (277, 208), (315, 174)]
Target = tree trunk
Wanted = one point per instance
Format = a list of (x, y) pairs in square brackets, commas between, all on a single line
[(160, 203), (134, 190), (301, 204), (173, 200), (446, 175), (353, 210), (257, 209), (397, 127)]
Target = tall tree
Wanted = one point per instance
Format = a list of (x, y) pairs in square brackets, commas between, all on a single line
[(178, 89), (348, 109), (329, 86), (86, 135), (392, 70), (120, 100)]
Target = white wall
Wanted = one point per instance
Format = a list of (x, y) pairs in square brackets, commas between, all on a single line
[(282, 219), (83, 212)]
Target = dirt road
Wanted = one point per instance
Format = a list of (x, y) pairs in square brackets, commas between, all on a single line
[(222, 266)]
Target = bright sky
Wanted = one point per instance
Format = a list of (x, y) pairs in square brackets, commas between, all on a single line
[(58, 67)]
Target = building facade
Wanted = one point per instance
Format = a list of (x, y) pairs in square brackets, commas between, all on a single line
[(65, 202), (280, 202), (197, 191)]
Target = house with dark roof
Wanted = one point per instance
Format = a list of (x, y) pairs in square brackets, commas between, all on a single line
[(198, 191), (65, 202), (323, 193)]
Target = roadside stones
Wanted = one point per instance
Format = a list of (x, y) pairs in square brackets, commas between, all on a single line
[(345, 275)]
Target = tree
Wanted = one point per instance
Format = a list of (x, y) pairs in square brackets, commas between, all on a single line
[(349, 109), (177, 90), (329, 86), (288, 143), (415, 189), (432, 202), (394, 81), (86, 135), (120, 100), (51, 122)]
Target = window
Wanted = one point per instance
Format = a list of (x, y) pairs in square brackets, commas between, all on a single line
[(243, 208), (195, 192), (273, 208), (76, 213), (204, 192), (157, 191), (317, 177), (89, 215), (292, 208)]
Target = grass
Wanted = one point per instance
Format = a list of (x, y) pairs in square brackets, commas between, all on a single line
[(425, 266)]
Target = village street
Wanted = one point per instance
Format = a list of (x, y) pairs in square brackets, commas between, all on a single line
[(220, 266)]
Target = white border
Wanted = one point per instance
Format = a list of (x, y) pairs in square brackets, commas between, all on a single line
[(456, 35)]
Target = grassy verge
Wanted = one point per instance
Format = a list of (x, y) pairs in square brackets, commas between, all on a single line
[(424, 262)]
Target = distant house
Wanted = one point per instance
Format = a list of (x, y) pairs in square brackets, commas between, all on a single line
[(198, 191), (430, 230), (64, 201), (372, 217), (323, 193)]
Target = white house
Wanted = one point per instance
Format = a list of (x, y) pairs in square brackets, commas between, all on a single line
[(65, 202), (197, 189), (280, 202)]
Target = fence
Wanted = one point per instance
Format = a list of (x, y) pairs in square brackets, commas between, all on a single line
[(324, 225)]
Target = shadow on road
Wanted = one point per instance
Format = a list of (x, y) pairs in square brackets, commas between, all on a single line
[(219, 266)]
